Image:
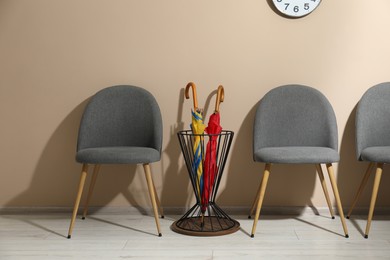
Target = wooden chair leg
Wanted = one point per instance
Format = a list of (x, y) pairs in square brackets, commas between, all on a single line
[(91, 188), (84, 172), (361, 187), (158, 201), (149, 180), (254, 204), (377, 180), (261, 196), (337, 196), (325, 189)]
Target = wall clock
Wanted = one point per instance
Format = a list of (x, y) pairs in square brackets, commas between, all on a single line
[(295, 8)]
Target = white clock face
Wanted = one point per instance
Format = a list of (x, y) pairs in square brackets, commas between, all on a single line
[(296, 8)]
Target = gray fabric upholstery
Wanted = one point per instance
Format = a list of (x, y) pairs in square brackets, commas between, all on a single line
[(295, 124), (296, 154), (373, 124), (379, 154), (120, 124), (119, 155)]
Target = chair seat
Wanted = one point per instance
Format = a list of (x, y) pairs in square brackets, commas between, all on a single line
[(380, 154), (118, 155), (296, 154)]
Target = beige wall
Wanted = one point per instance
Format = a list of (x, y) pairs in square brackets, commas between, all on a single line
[(55, 54)]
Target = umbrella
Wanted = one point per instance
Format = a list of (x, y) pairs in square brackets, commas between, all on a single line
[(197, 127), (210, 164)]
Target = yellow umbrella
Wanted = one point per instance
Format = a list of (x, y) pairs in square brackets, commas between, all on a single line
[(197, 127)]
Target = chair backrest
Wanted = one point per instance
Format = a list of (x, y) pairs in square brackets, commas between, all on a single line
[(121, 116), (373, 118), (294, 115)]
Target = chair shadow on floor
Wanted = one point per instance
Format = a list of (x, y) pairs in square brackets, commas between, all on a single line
[(32, 223), (318, 227), (121, 226)]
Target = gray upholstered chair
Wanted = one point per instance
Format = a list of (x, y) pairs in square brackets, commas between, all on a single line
[(295, 124), (120, 125), (373, 139)]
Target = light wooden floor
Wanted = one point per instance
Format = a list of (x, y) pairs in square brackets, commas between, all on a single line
[(114, 236)]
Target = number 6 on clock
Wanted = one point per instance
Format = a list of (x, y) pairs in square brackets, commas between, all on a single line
[(295, 8)]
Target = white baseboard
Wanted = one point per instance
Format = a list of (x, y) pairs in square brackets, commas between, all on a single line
[(239, 210)]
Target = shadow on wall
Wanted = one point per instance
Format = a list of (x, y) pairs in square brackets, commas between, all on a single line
[(52, 178), (176, 182), (56, 176), (291, 185), (351, 172)]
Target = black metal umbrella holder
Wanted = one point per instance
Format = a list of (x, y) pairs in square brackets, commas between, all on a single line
[(205, 218)]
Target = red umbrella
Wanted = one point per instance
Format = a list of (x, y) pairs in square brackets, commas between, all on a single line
[(210, 163)]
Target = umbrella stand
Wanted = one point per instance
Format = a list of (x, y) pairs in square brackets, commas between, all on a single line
[(212, 221)]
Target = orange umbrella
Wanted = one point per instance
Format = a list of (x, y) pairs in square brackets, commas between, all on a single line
[(210, 164)]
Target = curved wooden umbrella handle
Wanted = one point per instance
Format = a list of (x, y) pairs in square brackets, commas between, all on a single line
[(220, 97), (187, 94)]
